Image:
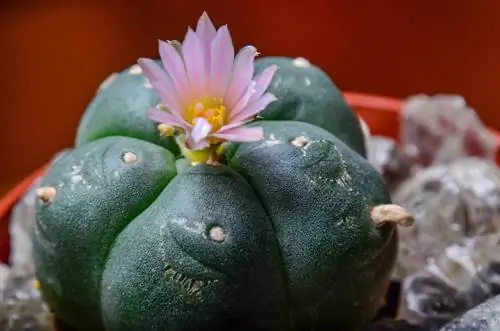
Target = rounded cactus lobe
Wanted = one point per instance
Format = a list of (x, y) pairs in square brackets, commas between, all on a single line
[(361, 288), (318, 193), (203, 255), (99, 188), (119, 109), (306, 93)]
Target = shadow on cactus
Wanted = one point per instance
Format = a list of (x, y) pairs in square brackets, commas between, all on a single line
[(207, 190)]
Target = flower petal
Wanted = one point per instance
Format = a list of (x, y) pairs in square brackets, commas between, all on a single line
[(194, 58), (230, 126), (174, 65), (162, 84), (177, 45), (262, 81), (241, 134), (201, 129), (242, 74), (205, 30), (221, 62), (166, 118), (243, 102), (254, 108)]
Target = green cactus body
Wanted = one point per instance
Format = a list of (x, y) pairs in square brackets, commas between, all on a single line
[(277, 237), (305, 93)]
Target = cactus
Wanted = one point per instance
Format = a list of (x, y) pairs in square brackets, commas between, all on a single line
[(178, 211), (305, 93)]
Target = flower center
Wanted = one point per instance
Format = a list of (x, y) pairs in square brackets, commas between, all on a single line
[(212, 109)]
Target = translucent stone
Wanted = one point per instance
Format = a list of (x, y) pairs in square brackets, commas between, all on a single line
[(449, 203), (21, 223), (21, 306), (465, 275), (485, 317), (385, 156), (441, 129)]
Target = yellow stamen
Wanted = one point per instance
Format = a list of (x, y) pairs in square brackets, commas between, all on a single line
[(207, 155), (215, 112), (212, 109)]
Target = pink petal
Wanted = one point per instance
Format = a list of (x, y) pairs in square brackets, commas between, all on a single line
[(242, 75), (206, 32), (243, 102), (241, 134), (174, 65), (231, 126), (201, 129), (194, 58), (221, 62), (166, 118), (254, 108), (177, 46), (162, 84), (262, 81)]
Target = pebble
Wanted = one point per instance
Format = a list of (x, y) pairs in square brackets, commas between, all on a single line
[(441, 129), (448, 203), (485, 317), (21, 305), (385, 155), (465, 275)]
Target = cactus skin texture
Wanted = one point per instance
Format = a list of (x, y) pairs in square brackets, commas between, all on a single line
[(277, 237), (305, 93)]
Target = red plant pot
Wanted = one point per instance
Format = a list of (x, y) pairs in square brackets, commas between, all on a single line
[(380, 113)]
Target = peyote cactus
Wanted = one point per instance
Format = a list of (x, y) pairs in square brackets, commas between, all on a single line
[(215, 219), (302, 89)]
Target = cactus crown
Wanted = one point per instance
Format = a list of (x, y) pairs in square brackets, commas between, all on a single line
[(207, 93)]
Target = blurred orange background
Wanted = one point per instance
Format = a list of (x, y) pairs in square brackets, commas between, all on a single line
[(54, 56)]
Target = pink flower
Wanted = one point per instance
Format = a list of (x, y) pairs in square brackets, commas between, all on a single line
[(206, 91)]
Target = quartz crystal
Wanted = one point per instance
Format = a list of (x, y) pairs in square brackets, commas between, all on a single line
[(21, 306), (441, 129), (485, 317), (23, 216), (385, 156), (449, 203), (465, 275)]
